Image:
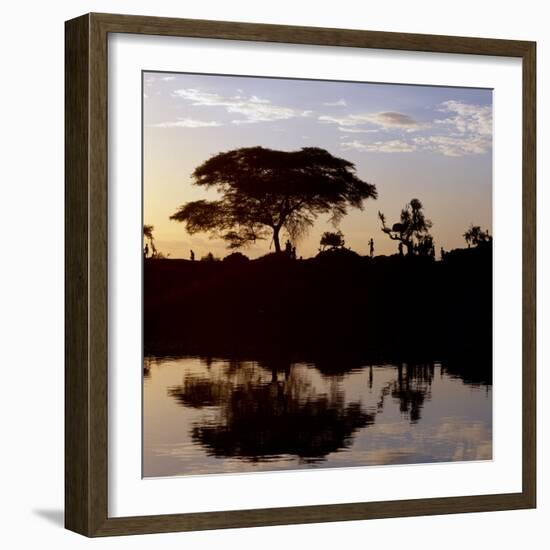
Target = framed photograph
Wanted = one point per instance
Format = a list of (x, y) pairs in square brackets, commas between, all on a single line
[(300, 275)]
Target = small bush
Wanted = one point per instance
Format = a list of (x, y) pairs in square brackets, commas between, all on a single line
[(209, 258), (236, 257)]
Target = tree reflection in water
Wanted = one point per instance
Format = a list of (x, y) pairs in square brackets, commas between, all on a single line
[(264, 410), (412, 388)]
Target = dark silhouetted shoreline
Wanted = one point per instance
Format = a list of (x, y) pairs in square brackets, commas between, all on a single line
[(338, 308)]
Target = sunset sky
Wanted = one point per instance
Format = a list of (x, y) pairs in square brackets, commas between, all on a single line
[(431, 143)]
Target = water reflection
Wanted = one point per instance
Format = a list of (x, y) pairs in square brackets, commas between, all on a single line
[(263, 415), (412, 387), (210, 415)]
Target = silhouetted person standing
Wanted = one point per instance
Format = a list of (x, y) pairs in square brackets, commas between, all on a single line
[(442, 253), (401, 249), (146, 251), (192, 256), (371, 247)]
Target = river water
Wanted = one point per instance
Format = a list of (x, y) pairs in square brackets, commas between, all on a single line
[(210, 416)]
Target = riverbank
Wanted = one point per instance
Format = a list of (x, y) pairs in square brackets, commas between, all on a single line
[(336, 305)]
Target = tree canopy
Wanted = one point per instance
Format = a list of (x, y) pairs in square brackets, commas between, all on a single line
[(148, 231), (476, 236), (264, 191), (332, 240)]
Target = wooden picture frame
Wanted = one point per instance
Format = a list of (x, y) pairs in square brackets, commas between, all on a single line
[(86, 359)]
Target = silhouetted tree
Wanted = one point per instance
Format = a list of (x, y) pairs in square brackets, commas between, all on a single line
[(264, 191), (425, 246), (476, 237), (332, 240), (148, 231), (209, 258), (412, 229), (148, 234)]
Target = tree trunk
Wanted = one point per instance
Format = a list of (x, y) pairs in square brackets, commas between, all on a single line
[(276, 241)]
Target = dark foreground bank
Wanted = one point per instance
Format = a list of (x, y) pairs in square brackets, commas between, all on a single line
[(336, 306)]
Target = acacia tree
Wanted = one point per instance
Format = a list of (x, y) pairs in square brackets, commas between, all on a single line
[(412, 229), (476, 237), (263, 192), (332, 240)]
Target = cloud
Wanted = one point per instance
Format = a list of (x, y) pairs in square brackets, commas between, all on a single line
[(253, 109), (466, 131), (341, 121), (385, 120), (389, 146), (467, 118), (357, 130), (446, 145), (152, 78), (452, 146), (391, 119), (187, 123), (339, 103)]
